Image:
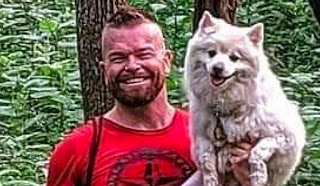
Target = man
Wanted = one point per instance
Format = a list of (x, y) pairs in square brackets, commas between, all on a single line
[(144, 140)]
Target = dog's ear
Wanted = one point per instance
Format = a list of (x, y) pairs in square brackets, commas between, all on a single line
[(255, 34), (208, 23)]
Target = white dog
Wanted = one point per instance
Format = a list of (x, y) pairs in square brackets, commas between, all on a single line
[(234, 96)]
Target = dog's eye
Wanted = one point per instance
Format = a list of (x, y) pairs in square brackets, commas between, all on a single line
[(234, 58), (212, 53)]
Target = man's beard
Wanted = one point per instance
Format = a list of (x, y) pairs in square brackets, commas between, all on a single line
[(136, 101)]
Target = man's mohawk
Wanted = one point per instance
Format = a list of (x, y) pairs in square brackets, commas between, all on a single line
[(129, 16)]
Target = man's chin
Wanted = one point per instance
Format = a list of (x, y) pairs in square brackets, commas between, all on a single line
[(133, 99), (134, 102), (136, 98)]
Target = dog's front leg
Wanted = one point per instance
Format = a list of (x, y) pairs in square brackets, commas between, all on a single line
[(207, 161), (223, 158), (202, 147), (264, 149)]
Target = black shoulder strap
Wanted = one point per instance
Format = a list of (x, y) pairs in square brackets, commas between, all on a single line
[(95, 141)]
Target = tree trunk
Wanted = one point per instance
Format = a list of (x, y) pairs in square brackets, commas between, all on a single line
[(225, 9), (91, 17), (315, 5)]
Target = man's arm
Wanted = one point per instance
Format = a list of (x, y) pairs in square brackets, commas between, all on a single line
[(239, 165)]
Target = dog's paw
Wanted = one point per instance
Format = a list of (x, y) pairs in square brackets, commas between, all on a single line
[(207, 162), (210, 180), (258, 179)]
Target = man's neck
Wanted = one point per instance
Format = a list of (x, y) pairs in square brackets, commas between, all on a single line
[(156, 115)]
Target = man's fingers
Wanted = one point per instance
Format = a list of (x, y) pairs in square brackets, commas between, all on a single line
[(237, 159), (239, 164), (245, 146), (238, 151), (241, 172)]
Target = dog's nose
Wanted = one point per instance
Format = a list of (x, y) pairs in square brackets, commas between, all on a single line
[(218, 68)]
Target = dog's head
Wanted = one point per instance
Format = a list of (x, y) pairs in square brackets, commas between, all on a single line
[(223, 55)]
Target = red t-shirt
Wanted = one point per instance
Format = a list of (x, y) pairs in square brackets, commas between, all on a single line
[(126, 156)]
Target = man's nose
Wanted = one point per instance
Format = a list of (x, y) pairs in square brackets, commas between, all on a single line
[(132, 64)]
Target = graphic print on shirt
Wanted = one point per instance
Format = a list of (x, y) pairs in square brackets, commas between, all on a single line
[(150, 167)]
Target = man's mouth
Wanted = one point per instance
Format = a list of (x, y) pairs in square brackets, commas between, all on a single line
[(218, 80), (133, 81)]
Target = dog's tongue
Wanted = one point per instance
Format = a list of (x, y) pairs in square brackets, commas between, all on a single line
[(217, 81)]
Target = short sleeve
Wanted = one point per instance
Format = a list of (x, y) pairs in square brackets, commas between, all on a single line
[(69, 157)]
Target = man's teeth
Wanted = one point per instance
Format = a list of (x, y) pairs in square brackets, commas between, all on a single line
[(135, 80)]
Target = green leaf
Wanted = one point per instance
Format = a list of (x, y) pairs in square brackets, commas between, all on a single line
[(39, 95), (7, 111), (21, 183), (49, 25), (25, 137), (9, 172), (41, 147), (67, 44), (157, 6)]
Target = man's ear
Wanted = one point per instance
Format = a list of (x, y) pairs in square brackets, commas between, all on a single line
[(167, 59), (102, 65)]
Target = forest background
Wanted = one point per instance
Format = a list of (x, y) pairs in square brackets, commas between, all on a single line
[(40, 90)]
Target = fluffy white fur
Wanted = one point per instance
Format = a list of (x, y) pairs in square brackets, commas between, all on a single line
[(235, 97)]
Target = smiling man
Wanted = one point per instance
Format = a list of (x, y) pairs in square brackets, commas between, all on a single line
[(143, 139), (136, 63)]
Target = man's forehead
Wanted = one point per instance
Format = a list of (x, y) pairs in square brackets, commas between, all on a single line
[(146, 32)]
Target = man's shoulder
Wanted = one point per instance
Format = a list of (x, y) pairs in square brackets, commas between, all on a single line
[(69, 155), (81, 130), (80, 135), (182, 112), (182, 117)]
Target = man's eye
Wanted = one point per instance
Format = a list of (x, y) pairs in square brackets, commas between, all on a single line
[(117, 59), (145, 56)]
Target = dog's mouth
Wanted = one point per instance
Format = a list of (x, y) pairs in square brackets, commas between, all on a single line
[(218, 80)]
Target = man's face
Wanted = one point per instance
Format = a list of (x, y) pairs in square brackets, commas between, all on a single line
[(135, 63)]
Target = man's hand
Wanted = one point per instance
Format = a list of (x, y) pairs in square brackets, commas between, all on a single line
[(239, 163), (239, 166)]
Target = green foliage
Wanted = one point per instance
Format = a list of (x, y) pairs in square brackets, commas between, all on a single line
[(40, 85)]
